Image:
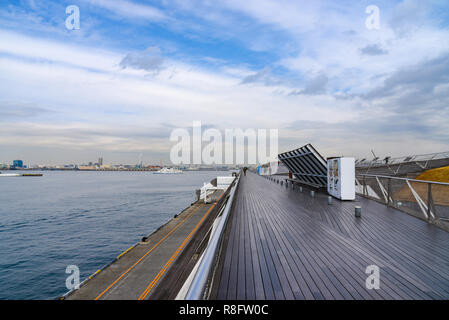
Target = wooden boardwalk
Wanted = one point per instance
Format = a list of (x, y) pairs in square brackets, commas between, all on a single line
[(284, 244)]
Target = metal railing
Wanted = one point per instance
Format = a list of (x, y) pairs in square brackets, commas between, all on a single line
[(204, 268), (427, 200), (393, 161)]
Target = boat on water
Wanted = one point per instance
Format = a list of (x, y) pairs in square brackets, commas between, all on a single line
[(10, 174), (166, 170), (21, 174)]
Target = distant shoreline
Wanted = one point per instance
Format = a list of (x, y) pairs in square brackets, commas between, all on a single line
[(94, 170)]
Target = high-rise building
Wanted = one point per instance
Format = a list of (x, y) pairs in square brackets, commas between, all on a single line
[(17, 164), (100, 161)]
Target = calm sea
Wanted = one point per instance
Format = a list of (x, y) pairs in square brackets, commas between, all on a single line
[(80, 218)]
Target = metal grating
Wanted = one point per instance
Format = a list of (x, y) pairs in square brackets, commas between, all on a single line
[(307, 165)]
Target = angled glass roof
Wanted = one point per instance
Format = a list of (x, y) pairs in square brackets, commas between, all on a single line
[(307, 165)]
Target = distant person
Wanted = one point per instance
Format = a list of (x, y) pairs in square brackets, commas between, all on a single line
[(244, 170)]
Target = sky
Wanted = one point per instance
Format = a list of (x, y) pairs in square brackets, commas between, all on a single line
[(136, 70)]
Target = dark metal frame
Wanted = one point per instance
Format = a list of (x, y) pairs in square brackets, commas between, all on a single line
[(307, 165)]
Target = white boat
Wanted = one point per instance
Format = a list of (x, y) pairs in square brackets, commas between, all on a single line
[(166, 170), (10, 175)]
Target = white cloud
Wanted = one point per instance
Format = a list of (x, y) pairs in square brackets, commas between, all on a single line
[(62, 52), (130, 9), (69, 80), (295, 16), (320, 47)]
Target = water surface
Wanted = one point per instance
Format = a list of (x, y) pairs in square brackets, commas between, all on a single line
[(80, 218)]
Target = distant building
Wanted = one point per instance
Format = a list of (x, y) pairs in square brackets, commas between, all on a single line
[(17, 164), (87, 168), (100, 161)]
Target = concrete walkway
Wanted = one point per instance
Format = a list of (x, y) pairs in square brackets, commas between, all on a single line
[(138, 272)]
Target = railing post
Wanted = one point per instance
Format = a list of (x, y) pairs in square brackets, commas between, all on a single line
[(364, 186), (429, 201), (389, 192)]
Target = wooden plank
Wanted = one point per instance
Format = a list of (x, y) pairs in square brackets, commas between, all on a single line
[(259, 286), (275, 280), (222, 276), (302, 288), (265, 274), (287, 245), (367, 234), (357, 248), (290, 286), (233, 270), (249, 271)]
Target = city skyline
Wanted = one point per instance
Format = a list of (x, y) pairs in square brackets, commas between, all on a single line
[(22, 164), (136, 70)]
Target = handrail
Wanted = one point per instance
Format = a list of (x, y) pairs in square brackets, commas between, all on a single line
[(199, 282), (424, 199), (403, 159), (404, 179)]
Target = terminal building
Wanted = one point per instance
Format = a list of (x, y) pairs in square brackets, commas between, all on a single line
[(17, 164)]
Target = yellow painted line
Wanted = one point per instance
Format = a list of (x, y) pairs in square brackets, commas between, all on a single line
[(173, 257), (154, 247), (96, 272), (124, 252)]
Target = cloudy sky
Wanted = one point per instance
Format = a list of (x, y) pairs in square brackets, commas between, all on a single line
[(135, 70)]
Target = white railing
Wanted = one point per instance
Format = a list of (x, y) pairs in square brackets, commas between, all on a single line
[(195, 286)]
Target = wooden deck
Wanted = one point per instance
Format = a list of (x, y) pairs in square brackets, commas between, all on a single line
[(283, 244)]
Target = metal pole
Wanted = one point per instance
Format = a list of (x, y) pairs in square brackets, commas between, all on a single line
[(389, 192), (364, 185), (358, 211), (429, 200)]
